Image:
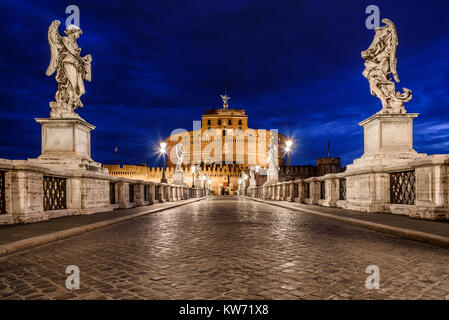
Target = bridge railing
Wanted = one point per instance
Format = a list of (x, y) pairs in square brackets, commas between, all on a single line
[(30, 192), (419, 189)]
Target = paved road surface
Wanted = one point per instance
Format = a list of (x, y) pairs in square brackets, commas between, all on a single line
[(228, 248)]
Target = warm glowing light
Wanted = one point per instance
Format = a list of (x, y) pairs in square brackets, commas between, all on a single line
[(163, 145), (204, 178), (193, 168), (288, 146)]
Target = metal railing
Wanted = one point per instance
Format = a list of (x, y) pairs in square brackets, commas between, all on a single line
[(165, 193), (157, 193), (343, 189), (2, 193), (402, 188), (294, 191), (112, 199), (322, 190), (131, 193), (307, 190), (54, 193)]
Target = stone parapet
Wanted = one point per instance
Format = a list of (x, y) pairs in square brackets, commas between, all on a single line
[(37, 192), (424, 185)]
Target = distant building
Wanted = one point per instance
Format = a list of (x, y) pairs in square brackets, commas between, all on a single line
[(224, 146), (328, 165), (226, 132)]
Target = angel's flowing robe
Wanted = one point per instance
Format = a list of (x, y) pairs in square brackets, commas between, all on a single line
[(71, 73)]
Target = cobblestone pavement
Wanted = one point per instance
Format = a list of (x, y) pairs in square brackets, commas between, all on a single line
[(228, 248)]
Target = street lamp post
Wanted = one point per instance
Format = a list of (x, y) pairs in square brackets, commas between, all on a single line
[(288, 148), (163, 150)]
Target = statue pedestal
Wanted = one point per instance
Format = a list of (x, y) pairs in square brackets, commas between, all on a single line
[(272, 176), (388, 148), (198, 183), (388, 140), (387, 133), (178, 177), (66, 142), (252, 183)]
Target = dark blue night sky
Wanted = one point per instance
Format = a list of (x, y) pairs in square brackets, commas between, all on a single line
[(157, 65)]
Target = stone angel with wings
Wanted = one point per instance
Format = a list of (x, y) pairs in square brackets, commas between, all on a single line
[(71, 70), (197, 173), (179, 156), (380, 69), (272, 154)]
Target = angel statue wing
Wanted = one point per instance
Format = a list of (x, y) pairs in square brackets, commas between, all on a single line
[(179, 155), (88, 74), (394, 46), (55, 42), (179, 151)]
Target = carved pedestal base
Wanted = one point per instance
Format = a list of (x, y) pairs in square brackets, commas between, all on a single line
[(272, 176), (198, 183), (178, 178), (252, 183), (388, 141), (388, 148), (66, 143)]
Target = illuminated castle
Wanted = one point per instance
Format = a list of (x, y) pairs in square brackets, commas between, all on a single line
[(224, 146), (224, 138)]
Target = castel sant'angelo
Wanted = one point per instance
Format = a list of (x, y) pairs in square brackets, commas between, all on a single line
[(224, 146)]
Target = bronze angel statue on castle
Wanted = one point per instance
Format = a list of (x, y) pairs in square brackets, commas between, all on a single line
[(71, 70), (380, 66)]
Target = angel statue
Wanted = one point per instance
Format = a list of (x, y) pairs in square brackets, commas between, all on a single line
[(272, 154), (242, 180), (71, 70), (198, 172), (179, 155), (252, 172), (380, 66)]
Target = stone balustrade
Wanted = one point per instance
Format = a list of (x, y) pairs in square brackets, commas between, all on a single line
[(31, 192), (418, 189)]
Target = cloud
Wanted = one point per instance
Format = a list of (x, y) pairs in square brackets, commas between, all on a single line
[(157, 65)]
